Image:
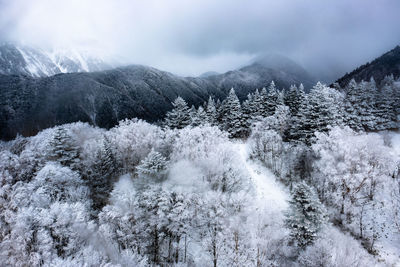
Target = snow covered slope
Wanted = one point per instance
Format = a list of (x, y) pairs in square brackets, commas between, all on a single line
[(15, 59), (270, 194)]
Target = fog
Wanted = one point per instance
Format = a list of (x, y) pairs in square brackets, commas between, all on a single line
[(192, 37)]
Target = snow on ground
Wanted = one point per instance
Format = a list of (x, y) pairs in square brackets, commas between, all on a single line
[(270, 194), (389, 246)]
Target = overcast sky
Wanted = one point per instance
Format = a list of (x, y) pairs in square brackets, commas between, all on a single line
[(328, 37)]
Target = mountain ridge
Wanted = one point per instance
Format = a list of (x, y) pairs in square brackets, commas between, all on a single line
[(29, 104), (384, 65)]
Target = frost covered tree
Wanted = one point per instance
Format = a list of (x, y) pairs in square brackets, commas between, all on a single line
[(63, 148), (352, 101), (305, 217), (102, 175), (386, 108), (317, 112), (211, 111), (271, 100), (198, 117), (154, 166), (298, 116), (232, 116), (179, 116), (351, 175)]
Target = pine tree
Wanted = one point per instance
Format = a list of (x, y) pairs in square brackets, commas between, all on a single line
[(194, 119), (272, 100), (352, 101), (321, 114), (252, 108), (305, 217), (291, 99), (153, 166), (366, 106), (211, 111), (202, 116), (385, 107), (232, 117), (103, 175), (179, 116), (298, 130), (63, 149), (263, 99), (248, 109)]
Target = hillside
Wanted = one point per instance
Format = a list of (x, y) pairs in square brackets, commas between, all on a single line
[(103, 98), (388, 63)]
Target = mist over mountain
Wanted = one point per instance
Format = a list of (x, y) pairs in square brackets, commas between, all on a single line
[(34, 62)]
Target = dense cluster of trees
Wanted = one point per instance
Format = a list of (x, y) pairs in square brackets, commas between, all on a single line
[(361, 106), (347, 158), (141, 194)]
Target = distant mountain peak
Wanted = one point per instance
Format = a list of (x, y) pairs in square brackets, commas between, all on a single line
[(35, 62), (208, 74)]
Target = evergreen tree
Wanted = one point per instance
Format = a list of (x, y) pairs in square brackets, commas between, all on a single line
[(63, 149), (252, 108), (272, 100), (194, 120), (305, 217), (257, 105), (386, 107), (352, 101), (202, 116), (297, 130), (211, 111), (367, 105), (232, 117), (264, 102), (291, 99), (248, 109), (322, 113), (153, 166), (179, 116), (102, 175)]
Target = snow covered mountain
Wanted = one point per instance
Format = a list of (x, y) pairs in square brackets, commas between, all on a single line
[(16, 60)]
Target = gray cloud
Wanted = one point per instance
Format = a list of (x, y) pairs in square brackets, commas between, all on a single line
[(190, 37)]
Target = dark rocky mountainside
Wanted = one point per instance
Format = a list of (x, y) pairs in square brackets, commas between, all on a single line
[(29, 104), (388, 63)]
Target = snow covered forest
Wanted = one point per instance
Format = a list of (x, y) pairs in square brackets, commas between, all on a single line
[(285, 178)]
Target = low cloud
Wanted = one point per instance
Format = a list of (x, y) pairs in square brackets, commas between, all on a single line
[(191, 37)]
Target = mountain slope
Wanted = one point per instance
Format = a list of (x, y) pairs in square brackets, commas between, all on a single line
[(16, 60), (29, 104), (388, 63)]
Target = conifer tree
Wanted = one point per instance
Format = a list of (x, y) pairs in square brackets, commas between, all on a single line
[(386, 107), (211, 111), (272, 99), (352, 100), (103, 175), (291, 99), (305, 217), (367, 104), (154, 166), (264, 102), (179, 116), (63, 149), (232, 117), (297, 127)]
